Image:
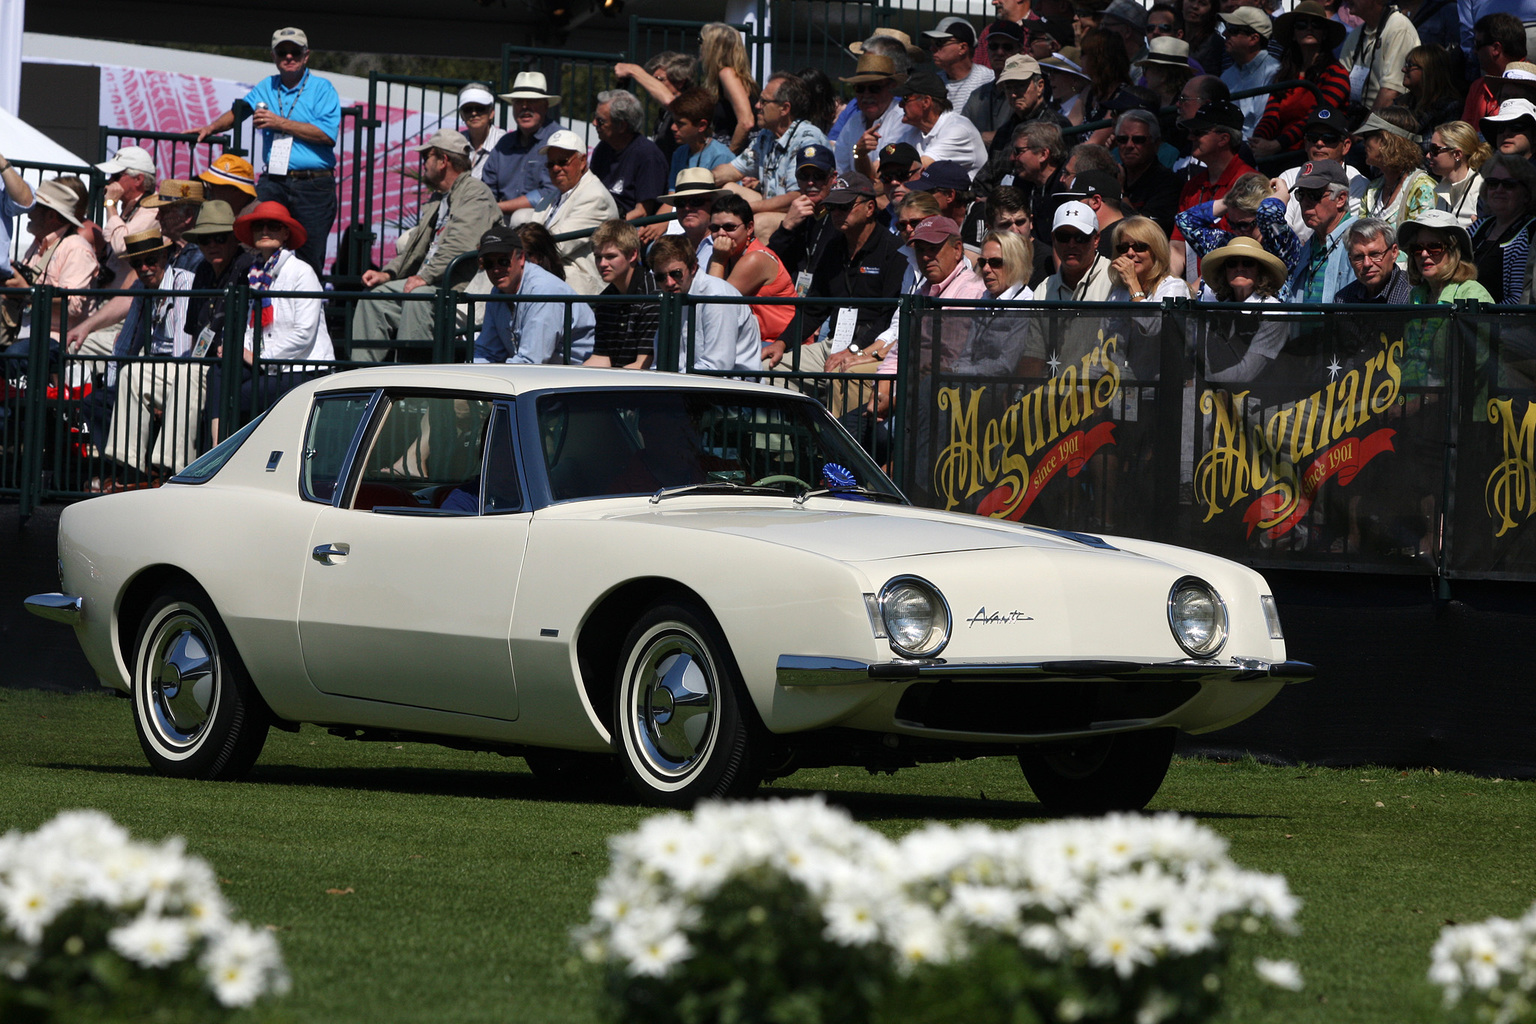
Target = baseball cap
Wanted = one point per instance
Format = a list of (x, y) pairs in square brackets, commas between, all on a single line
[(849, 188), (129, 158), (295, 36), (1003, 27), (477, 92), (445, 139), (563, 139), (936, 229), (500, 238), (819, 157), (1021, 67), (953, 28), (898, 154), (1077, 216), (1328, 119), (1321, 174), (942, 174), (1129, 11), (1216, 114), (1096, 183), (1250, 18), (925, 83)]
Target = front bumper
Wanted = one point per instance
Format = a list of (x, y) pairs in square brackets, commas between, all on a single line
[(811, 670), (65, 608)]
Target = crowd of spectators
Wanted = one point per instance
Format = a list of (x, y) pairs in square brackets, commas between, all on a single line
[(1069, 151)]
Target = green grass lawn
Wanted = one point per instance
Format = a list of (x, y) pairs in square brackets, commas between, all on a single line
[(412, 883)]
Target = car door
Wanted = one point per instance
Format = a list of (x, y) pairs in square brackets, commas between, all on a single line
[(411, 575)]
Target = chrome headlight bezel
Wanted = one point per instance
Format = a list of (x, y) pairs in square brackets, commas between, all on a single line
[(1217, 639), (937, 637)]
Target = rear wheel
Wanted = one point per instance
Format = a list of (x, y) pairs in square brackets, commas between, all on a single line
[(1118, 772), (681, 713), (195, 709)]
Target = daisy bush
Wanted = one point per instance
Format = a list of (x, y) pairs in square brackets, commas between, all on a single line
[(97, 927), (791, 911), (1487, 970)]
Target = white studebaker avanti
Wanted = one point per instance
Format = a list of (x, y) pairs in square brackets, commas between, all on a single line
[(707, 582)]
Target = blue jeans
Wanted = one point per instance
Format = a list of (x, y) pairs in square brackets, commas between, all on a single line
[(312, 201)]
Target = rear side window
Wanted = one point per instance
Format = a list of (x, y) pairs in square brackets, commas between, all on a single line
[(205, 466), (332, 433)]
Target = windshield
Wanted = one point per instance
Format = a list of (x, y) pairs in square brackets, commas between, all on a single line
[(606, 443)]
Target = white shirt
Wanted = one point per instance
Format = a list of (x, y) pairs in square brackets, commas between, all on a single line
[(298, 325), (725, 337), (954, 138), (892, 129), (960, 90), (477, 155)]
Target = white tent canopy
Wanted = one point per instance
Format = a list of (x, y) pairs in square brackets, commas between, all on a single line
[(20, 141)]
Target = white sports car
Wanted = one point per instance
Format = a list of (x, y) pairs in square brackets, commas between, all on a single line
[(705, 583)]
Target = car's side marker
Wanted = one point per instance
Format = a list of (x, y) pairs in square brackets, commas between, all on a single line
[(273, 460), (549, 632)]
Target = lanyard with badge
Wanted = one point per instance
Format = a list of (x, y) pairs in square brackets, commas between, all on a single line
[(280, 152), (1360, 70)]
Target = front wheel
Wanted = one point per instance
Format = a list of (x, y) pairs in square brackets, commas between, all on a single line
[(1118, 772), (195, 708), (681, 715)]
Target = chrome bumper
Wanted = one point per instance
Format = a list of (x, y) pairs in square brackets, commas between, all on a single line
[(65, 608), (809, 670)]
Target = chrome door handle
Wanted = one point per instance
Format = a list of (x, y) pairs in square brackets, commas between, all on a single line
[(325, 552)]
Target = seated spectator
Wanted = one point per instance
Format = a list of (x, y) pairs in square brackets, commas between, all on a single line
[(1108, 67), (1454, 155), (176, 203), (1322, 191), (461, 209), (1039, 160), (1404, 190), (899, 164), (130, 180), (1202, 30), (1442, 271), (1008, 212), (477, 109), (665, 77), (1138, 273), (1198, 92), (1309, 40), (804, 228), (1501, 243), (1374, 52), (1239, 347), (59, 256), (942, 133), (946, 275), (723, 336), (766, 170), (988, 107), (232, 180), (948, 183), (1432, 96), (1373, 253), (1249, 208), (952, 44), (1151, 188), (1247, 31), (877, 118), (1022, 85), (539, 248), (1327, 138), (696, 143), (996, 338), (579, 201), (528, 331), (824, 97), (1100, 192), (1166, 68), (1215, 135), (1067, 81), (1497, 40), (692, 197), (914, 208), (625, 335), (1512, 128), (515, 170), (629, 165), (751, 267), (1084, 277), (224, 260)]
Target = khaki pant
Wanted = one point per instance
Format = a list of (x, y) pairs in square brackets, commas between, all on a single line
[(158, 404), (838, 396)]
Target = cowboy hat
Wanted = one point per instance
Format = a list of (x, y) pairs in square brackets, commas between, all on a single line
[(531, 85), (270, 210), (1215, 263), (874, 67)]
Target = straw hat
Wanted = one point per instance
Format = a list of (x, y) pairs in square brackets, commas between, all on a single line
[(874, 67), (917, 54), (175, 190), (143, 243), (531, 85), (1215, 263)]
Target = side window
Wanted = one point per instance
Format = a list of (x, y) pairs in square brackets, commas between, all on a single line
[(425, 454), (503, 493), (333, 424)]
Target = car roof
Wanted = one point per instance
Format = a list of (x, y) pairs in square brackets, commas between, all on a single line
[(513, 379)]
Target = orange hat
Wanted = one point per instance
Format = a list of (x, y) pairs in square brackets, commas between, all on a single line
[(231, 170)]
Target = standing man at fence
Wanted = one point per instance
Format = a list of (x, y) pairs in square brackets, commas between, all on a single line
[(299, 115)]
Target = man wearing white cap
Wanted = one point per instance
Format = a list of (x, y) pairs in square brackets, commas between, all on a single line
[(451, 225), (580, 201), (1055, 344), (477, 109), (130, 178), (953, 43), (515, 171), (299, 116)]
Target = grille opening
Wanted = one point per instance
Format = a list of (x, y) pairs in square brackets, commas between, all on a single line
[(1036, 707)]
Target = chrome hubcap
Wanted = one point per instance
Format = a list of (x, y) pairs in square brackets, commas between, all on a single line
[(674, 704), (181, 667)]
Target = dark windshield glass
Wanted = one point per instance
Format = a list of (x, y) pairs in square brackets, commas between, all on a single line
[(602, 443)]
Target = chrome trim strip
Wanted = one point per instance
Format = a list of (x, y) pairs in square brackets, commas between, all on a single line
[(810, 670), (65, 608)]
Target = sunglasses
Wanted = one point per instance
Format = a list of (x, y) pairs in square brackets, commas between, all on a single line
[(1326, 138), (218, 239), (1125, 247), (1433, 250), (1433, 150), (563, 161), (892, 176), (1242, 263), (1132, 140), (1241, 227), (1309, 196), (814, 177), (1160, 29), (676, 275), (474, 110), (1501, 183), (692, 204), (865, 88), (1312, 24), (713, 228), (495, 262), (910, 225), (1070, 238), (140, 262), (995, 262), (269, 227)]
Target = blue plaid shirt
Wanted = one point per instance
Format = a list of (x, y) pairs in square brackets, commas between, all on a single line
[(772, 160)]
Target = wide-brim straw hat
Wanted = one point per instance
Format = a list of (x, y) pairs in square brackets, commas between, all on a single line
[(143, 243), (1215, 263), (1437, 220), (271, 210), (171, 191), (917, 54), (1333, 32), (531, 85), (874, 67), (693, 183)]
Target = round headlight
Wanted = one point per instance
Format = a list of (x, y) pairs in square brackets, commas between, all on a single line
[(915, 616), (1198, 618)]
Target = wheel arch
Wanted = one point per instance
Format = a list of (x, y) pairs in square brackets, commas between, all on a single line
[(601, 639), (136, 599)]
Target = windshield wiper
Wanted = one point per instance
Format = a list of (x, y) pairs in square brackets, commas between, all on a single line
[(714, 487), (804, 496)]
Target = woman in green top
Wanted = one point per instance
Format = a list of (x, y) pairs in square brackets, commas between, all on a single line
[(1441, 271)]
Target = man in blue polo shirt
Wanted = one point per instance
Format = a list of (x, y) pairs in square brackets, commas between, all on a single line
[(299, 115)]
